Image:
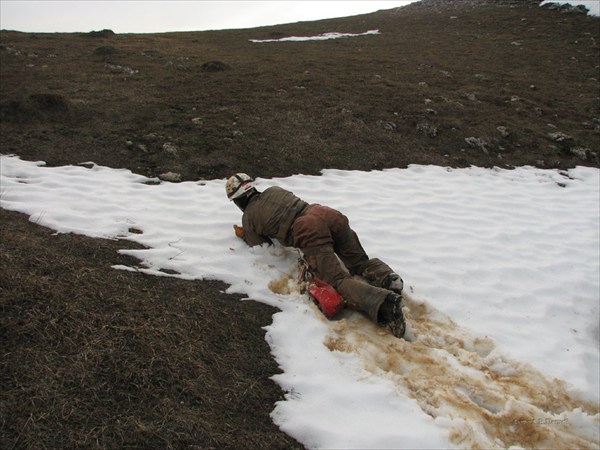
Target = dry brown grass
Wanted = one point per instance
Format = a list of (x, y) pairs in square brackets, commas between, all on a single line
[(92, 357)]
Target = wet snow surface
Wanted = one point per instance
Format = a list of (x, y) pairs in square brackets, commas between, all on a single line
[(501, 270)]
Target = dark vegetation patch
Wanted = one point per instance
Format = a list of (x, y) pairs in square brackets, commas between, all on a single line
[(101, 34), (37, 108), (105, 50), (94, 357), (214, 66)]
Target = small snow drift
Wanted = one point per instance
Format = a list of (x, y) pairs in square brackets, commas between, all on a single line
[(319, 37)]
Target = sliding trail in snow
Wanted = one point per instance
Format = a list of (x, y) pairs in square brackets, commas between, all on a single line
[(487, 400)]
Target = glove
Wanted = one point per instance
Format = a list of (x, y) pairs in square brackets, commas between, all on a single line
[(239, 231)]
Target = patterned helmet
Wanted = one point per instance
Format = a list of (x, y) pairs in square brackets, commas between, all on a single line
[(238, 185)]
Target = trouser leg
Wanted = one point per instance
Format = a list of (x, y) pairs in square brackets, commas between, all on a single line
[(377, 273), (321, 233), (359, 295), (348, 247), (344, 240)]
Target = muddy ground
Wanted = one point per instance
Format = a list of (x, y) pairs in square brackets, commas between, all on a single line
[(93, 357)]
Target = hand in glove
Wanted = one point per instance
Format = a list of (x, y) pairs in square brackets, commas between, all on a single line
[(239, 231)]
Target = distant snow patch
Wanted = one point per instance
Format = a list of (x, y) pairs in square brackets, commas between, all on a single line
[(319, 37)]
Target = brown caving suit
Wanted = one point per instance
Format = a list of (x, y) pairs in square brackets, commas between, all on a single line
[(325, 238)]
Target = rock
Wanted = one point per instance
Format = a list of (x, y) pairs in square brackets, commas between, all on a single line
[(172, 177), (566, 8), (559, 137), (503, 131), (169, 147), (197, 120), (12, 51), (478, 143), (390, 126), (428, 129), (120, 69), (551, 6), (581, 152), (150, 53)]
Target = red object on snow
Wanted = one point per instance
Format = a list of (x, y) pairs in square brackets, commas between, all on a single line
[(326, 297)]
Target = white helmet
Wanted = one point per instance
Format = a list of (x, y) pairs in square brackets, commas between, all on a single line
[(238, 185)]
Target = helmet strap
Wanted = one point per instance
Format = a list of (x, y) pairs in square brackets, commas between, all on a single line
[(242, 202)]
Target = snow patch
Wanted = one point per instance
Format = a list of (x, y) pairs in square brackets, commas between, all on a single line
[(319, 37), (501, 269)]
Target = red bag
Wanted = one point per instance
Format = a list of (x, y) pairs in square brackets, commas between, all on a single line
[(329, 301)]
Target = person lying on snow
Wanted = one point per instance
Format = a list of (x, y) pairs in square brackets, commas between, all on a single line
[(320, 233)]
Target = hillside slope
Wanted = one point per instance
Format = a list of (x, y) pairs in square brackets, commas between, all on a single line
[(458, 83), (98, 358)]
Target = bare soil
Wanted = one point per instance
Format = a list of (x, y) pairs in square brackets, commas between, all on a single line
[(93, 357)]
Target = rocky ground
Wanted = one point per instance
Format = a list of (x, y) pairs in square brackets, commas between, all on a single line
[(95, 358)]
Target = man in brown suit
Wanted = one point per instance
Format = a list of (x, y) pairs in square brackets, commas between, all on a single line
[(325, 238)]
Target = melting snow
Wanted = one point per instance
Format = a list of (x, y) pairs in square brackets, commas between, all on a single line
[(319, 37)]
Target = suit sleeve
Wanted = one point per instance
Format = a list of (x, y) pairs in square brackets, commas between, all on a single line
[(251, 236)]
